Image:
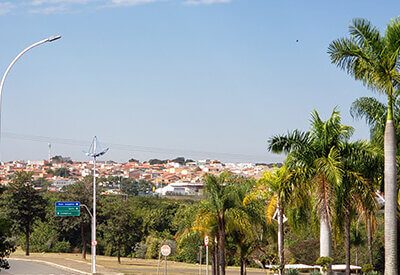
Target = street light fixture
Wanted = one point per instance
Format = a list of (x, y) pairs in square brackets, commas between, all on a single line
[(92, 152), (50, 39)]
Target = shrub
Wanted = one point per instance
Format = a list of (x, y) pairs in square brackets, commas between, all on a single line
[(325, 262), (63, 246), (140, 250), (315, 272), (292, 271)]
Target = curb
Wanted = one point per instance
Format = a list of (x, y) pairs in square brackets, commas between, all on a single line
[(52, 264)]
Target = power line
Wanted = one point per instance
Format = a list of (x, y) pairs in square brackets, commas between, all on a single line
[(125, 147)]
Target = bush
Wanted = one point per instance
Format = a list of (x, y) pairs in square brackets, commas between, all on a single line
[(325, 262), (315, 272), (42, 239), (63, 246), (292, 271), (153, 244), (140, 250)]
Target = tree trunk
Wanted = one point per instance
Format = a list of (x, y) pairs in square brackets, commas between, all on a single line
[(280, 239), (369, 232), (27, 233), (242, 266), (357, 258), (390, 197), (83, 237), (325, 239), (216, 255), (119, 253), (221, 226), (347, 242)]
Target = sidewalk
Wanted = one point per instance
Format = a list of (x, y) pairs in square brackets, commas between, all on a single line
[(77, 266)]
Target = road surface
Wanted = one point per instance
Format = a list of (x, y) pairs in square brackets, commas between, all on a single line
[(21, 267)]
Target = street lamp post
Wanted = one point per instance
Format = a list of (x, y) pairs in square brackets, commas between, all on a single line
[(92, 152), (50, 39)]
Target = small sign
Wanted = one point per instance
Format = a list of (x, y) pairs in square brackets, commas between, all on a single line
[(165, 250), (206, 240), (94, 243), (68, 208)]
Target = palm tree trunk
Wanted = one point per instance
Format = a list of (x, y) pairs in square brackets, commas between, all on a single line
[(216, 255), (347, 242), (222, 242), (280, 239), (390, 196), (369, 232), (325, 238), (83, 237)]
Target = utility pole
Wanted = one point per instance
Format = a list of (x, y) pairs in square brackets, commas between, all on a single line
[(94, 154), (49, 144)]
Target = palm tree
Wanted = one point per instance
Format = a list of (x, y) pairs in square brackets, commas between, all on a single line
[(246, 226), (279, 188), (374, 59), (354, 192), (317, 154), (221, 197)]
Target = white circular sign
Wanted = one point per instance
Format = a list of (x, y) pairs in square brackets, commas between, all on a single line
[(94, 242), (165, 250), (206, 240)]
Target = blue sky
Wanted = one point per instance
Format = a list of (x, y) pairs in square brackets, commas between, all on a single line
[(192, 78)]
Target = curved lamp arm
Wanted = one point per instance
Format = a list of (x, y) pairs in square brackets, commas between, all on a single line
[(50, 39)]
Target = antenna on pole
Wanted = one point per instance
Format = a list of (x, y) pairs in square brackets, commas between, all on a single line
[(49, 144), (94, 153)]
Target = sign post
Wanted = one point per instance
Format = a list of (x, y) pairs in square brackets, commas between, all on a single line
[(67, 208), (165, 251), (206, 241)]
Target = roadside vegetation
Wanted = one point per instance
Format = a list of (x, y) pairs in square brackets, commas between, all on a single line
[(320, 207)]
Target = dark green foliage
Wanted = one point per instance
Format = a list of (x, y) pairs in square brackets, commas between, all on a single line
[(305, 252), (133, 160), (157, 161), (180, 160), (7, 245), (23, 205)]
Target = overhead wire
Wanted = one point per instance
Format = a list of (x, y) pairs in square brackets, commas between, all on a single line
[(127, 147)]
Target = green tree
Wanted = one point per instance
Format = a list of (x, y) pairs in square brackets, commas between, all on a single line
[(81, 191), (120, 225), (316, 153), (354, 193), (7, 245), (285, 191), (373, 58), (23, 205)]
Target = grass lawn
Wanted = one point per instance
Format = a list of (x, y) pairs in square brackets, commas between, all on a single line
[(137, 266)]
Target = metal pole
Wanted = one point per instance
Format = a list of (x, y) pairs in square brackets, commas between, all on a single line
[(94, 213), (159, 260), (207, 260), (165, 269), (201, 250), (50, 39)]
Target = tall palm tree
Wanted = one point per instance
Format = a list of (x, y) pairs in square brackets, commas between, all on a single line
[(354, 192), (221, 197), (246, 226), (279, 187), (373, 58), (317, 153)]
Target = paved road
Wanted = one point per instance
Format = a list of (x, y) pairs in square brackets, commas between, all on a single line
[(20, 267)]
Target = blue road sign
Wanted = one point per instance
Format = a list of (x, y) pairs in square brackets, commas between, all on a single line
[(68, 203), (67, 208)]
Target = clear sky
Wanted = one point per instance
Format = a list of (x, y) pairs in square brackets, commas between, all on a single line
[(168, 78)]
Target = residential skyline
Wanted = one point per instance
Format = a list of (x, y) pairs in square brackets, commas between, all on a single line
[(206, 76)]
